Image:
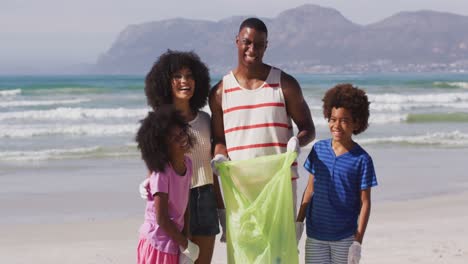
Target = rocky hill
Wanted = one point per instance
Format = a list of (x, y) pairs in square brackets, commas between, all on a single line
[(308, 38)]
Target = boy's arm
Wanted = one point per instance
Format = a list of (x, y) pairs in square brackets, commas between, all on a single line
[(163, 220), (363, 214), (306, 197)]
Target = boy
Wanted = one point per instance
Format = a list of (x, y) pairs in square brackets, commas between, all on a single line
[(337, 199)]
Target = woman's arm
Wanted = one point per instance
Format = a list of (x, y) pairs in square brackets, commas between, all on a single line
[(163, 220), (363, 214), (306, 197)]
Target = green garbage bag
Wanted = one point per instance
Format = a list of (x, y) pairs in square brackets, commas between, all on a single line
[(259, 210)]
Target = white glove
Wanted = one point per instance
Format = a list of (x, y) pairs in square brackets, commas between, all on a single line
[(299, 231), (222, 222), (354, 253), (216, 160), (184, 259), (191, 252), (143, 188), (293, 145)]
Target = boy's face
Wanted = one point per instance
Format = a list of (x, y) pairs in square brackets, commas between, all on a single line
[(178, 141), (341, 125)]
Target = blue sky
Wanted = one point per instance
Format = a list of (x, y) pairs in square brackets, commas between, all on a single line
[(51, 33)]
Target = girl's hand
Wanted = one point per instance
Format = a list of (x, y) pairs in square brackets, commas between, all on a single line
[(191, 251)]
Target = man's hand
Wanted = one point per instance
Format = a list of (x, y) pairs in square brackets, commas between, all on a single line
[(143, 188), (354, 253), (216, 160), (293, 145), (222, 222)]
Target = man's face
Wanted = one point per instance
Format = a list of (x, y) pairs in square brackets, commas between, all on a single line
[(251, 45)]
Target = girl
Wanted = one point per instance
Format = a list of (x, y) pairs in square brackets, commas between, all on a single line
[(181, 79), (163, 141), (337, 200)]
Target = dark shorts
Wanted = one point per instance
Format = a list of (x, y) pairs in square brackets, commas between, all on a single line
[(203, 213)]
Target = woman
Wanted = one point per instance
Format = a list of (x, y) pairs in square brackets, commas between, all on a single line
[(181, 79)]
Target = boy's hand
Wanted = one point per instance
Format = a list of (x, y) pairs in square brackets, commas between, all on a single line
[(299, 231), (143, 188), (354, 253)]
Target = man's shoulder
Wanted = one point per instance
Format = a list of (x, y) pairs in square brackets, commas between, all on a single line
[(288, 81), (217, 87), (216, 94)]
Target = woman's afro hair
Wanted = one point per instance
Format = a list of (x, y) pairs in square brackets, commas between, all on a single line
[(158, 82)]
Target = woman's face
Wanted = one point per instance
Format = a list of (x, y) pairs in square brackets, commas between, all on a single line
[(183, 85)]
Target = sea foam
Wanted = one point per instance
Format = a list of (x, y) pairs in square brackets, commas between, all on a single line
[(67, 113), (42, 102), (453, 139), (392, 98), (25, 131), (10, 92)]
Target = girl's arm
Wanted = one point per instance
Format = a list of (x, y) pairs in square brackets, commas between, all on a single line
[(186, 229), (308, 192), (363, 214), (163, 220)]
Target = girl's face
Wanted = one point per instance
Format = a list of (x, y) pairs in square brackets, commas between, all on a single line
[(178, 141), (341, 125), (183, 85)]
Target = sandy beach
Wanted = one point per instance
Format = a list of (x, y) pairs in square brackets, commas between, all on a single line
[(429, 230), (92, 214)]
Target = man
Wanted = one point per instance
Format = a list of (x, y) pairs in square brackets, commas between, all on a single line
[(253, 105)]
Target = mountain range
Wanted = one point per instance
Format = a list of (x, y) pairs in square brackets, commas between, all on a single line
[(307, 39)]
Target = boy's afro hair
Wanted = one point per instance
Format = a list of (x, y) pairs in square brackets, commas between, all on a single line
[(351, 98)]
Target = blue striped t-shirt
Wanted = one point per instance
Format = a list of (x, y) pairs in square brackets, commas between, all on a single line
[(333, 211)]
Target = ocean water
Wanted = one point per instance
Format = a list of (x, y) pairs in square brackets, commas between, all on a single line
[(67, 147), (75, 117)]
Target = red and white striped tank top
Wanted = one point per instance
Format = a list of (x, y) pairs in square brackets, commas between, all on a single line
[(256, 122)]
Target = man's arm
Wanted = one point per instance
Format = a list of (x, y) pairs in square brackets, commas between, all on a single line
[(298, 109), (217, 124)]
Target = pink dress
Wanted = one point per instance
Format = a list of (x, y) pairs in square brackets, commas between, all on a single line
[(155, 245)]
